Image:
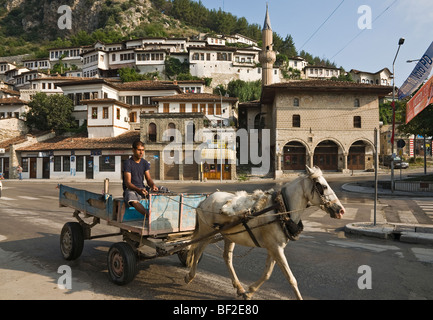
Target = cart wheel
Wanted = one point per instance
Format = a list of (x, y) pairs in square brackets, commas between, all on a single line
[(71, 240), (122, 263), (183, 256)]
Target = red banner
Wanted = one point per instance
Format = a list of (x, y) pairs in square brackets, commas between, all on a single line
[(422, 99)]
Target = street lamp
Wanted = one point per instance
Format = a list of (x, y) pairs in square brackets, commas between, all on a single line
[(400, 43)]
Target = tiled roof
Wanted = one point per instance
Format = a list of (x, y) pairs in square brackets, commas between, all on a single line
[(5, 144), (9, 91), (61, 78), (312, 86), (123, 141), (11, 101), (105, 101), (212, 48), (146, 85), (196, 97), (327, 84)]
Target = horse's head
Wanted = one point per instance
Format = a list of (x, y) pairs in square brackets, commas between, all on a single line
[(322, 194)]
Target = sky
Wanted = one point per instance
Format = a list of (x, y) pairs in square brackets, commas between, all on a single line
[(339, 30)]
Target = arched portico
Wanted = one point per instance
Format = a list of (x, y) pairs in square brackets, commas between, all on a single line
[(294, 156), (327, 155), (360, 155)]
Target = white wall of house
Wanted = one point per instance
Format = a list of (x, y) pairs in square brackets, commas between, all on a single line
[(112, 124)]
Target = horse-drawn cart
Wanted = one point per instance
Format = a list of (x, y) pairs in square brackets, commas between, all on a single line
[(167, 228)]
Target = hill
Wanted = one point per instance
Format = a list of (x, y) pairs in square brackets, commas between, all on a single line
[(31, 26)]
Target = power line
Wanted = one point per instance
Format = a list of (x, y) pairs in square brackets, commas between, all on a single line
[(329, 17), (359, 33)]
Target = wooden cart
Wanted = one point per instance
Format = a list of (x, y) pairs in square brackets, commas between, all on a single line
[(170, 224)]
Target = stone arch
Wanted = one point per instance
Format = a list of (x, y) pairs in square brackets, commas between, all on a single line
[(360, 155), (329, 155), (294, 155)]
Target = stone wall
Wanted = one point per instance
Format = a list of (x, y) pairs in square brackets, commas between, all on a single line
[(326, 117)]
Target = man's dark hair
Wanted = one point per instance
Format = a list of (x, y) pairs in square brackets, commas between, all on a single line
[(137, 143)]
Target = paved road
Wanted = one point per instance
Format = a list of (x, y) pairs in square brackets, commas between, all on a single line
[(325, 261)]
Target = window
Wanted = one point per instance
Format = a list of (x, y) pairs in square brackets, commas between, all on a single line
[(210, 109), (107, 163), (66, 163), (94, 113), (356, 103), (194, 107), (79, 164), (152, 132), (105, 112), (296, 119), (166, 108), (136, 100), (133, 117), (78, 97), (182, 108), (171, 131), (25, 162), (118, 113), (296, 102), (57, 164), (218, 109), (357, 122)]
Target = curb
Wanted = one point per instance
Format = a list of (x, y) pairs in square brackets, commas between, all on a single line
[(356, 188), (409, 233)]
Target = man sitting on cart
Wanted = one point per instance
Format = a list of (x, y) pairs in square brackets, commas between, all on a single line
[(135, 169)]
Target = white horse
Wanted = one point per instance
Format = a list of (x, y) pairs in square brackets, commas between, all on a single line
[(221, 211)]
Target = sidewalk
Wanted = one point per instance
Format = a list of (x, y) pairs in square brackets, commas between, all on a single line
[(410, 233)]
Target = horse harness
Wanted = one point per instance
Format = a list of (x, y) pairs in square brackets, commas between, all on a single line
[(291, 229), (281, 205)]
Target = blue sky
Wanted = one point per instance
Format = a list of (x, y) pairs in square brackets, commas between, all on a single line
[(340, 39)]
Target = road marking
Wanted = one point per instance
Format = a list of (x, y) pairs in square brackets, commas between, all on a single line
[(379, 216), (350, 214), (407, 217), (7, 199), (366, 246), (50, 197), (28, 198), (423, 255), (318, 214)]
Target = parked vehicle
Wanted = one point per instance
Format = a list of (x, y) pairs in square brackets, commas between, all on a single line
[(398, 163)]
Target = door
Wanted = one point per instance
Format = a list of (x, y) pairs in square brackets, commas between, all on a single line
[(89, 167), (212, 171), (190, 170), (6, 168), (33, 168), (294, 156), (326, 158), (46, 168)]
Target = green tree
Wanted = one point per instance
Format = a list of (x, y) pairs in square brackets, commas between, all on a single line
[(174, 67), (130, 75), (243, 90), (52, 112), (421, 124)]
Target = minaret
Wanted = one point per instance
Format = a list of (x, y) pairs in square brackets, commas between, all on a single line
[(267, 56)]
